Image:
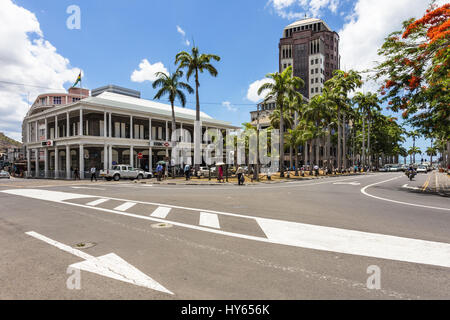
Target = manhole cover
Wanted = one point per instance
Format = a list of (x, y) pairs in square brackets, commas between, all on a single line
[(84, 245), (162, 226)]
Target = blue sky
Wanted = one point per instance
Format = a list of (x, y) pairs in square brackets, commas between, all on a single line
[(116, 36)]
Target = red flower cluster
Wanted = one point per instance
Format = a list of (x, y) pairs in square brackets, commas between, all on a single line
[(414, 82), (390, 83), (437, 21)]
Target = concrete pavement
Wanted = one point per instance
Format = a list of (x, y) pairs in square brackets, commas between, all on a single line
[(189, 248)]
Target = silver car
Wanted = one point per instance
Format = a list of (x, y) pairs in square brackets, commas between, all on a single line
[(4, 175)]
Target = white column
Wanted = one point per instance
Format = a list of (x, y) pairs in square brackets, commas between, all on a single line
[(81, 162), (68, 161), (110, 157), (56, 135), (132, 156), (167, 131), (105, 157), (46, 163), (28, 162), (105, 127), (81, 123), (28, 132), (182, 132), (110, 126), (56, 163), (150, 159), (131, 127), (150, 129), (37, 154), (68, 124), (36, 124), (46, 127)]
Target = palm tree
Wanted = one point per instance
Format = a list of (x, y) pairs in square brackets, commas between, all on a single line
[(431, 152), (414, 135), (196, 63), (283, 85), (171, 85), (297, 137), (339, 87), (413, 151), (368, 104)]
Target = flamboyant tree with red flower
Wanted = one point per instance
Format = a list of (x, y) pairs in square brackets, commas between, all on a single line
[(416, 71)]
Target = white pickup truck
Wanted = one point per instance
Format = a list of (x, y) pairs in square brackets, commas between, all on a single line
[(124, 172)]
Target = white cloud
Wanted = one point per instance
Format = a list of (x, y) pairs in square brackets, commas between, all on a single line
[(183, 34), (147, 71), (26, 58), (229, 106), (252, 93), (369, 25), (181, 31), (296, 9)]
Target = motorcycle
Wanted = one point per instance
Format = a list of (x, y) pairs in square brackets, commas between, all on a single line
[(410, 174)]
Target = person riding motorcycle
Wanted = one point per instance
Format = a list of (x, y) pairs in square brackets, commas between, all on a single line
[(411, 172)]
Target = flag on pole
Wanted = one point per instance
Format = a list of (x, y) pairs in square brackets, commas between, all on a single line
[(78, 80)]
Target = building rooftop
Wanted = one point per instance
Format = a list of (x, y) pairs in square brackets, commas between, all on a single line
[(116, 89), (149, 106), (305, 22)]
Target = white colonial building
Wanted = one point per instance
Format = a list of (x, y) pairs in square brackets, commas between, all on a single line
[(63, 132)]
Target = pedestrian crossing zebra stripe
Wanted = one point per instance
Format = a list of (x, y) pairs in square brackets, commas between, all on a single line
[(295, 234)]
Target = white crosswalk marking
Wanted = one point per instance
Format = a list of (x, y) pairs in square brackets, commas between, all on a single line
[(125, 206), (209, 220), (161, 212), (97, 202)]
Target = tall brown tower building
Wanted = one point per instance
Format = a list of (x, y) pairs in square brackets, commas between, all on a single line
[(312, 49)]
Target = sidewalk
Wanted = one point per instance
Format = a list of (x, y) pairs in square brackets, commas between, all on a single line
[(233, 181), (439, 183)]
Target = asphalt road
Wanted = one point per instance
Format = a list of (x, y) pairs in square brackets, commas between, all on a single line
[(298, 240)]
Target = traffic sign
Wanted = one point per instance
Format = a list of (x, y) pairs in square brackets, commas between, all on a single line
[(140, 156)]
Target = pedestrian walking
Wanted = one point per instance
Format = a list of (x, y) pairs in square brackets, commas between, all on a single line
[(187, 172), (93, 174), (220, 175), (316, 170), (76, 174), (159, 170), (240, 175)]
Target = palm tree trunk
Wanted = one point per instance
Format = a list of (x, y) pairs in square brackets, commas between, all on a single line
[(414, 148), (291, 159), (281, 141), (369, 151), (174, 128), (364, 143), (344, 141), (197, 143), (328, 148), (296, 161), (339, 139)]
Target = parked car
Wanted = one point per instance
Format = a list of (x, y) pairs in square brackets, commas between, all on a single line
[(394, 168), (385, 169), (4, 175), (204, 172), (124, 172), (422, 169)]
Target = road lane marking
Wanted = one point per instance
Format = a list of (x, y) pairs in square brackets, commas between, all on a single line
[(125, 206), (427, 183), (89, 188), (406, 186), (356, 242), (110, 265), (364, 191), (318, 238), (161, 212), (348, 183), (209, 220), (97, 202)]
